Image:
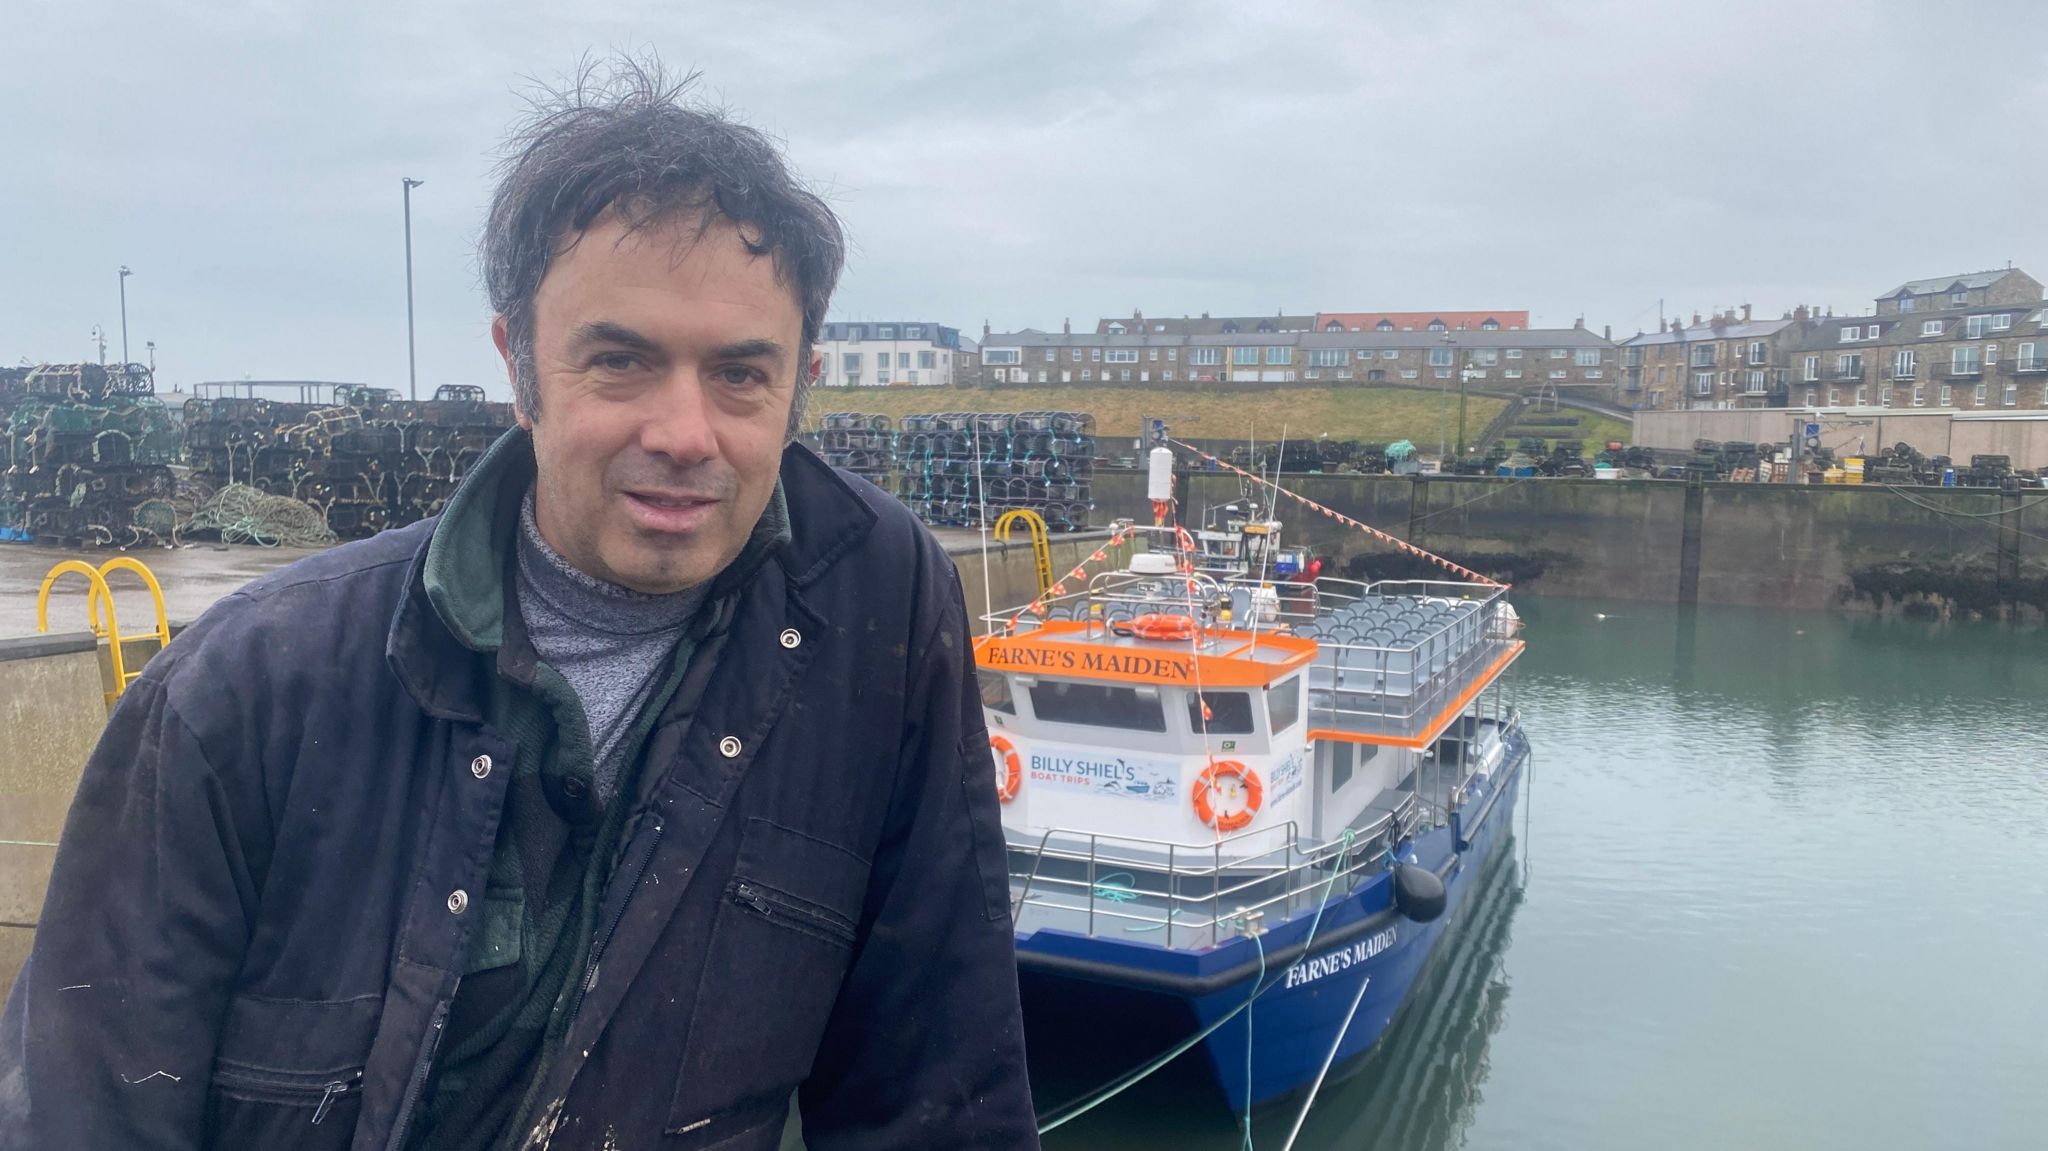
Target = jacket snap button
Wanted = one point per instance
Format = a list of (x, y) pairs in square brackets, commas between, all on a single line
[(480, 766), (574, 787), (729, 747), (791, 637), (458, 901)]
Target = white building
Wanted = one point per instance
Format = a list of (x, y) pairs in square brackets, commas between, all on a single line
[(869, 353)]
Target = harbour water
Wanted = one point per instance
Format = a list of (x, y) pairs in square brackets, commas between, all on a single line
[(1781, 880)]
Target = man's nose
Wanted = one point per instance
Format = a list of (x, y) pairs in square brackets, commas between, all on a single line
[(678, 422)]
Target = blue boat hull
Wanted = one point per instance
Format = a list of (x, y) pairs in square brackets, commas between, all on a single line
[(1082, 995)]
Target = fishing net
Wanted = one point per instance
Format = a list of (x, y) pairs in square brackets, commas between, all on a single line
[(242, 514)]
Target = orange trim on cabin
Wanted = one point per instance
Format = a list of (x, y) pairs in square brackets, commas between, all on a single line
[(1440, 722), (1065, 648)]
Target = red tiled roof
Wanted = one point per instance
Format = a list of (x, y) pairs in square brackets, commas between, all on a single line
[(1420, 321)]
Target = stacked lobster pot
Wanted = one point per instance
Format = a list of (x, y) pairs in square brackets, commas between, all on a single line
[(861, 443), (955, 467), (367, 462), (86, 457)]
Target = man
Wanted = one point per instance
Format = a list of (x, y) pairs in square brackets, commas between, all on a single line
[(644, 787)]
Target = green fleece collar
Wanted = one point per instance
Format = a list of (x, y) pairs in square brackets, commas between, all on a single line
[(464, 571)]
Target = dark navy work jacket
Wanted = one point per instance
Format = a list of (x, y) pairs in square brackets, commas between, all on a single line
[(261, 905)]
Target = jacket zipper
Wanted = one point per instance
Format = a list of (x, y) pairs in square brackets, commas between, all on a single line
[(421, 1068), (773, 904), (633, 874), (289, 1090)]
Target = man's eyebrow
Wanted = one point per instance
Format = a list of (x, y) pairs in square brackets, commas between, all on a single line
[(607, 332), (749, 350)]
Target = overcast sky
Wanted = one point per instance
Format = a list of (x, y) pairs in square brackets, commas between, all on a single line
[(1022, 164)]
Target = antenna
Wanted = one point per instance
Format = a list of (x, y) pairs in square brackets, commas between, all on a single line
[(988, 613)]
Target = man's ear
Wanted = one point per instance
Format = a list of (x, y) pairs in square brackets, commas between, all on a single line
[(500, 337)]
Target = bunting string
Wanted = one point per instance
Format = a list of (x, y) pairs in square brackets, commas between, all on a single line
[(1059, 586), (1340, 517)]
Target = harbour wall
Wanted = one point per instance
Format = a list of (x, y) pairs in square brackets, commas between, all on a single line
[(2020, 435), (1844, 547)]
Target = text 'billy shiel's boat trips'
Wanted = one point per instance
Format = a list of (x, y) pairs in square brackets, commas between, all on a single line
[(1242, 796)]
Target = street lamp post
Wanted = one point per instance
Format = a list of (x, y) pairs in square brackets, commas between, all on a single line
[(1443, 403), (1464, 378), (125, 273), (99, 337), (411, 362), (151, 345)]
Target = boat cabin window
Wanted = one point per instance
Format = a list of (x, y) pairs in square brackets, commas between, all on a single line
[(1283, 704), (995, 691), (1230, 712), (1098, 705)]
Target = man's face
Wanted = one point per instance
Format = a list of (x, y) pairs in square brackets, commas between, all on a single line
[(667, 363)]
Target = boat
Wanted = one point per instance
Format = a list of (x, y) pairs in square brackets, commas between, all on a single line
[(1243, 810)]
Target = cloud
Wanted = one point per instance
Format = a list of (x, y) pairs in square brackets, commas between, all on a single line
[(1025, 163)]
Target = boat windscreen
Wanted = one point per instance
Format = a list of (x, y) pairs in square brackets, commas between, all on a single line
[(995, 691), (1230, 712), (1098, 705)]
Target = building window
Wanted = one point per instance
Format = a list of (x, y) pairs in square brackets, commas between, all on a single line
[(1144, 377), (913, 332), (1087, 375), (1439, 357), (1513, 373), (1328, 358), (1964, 360), (1758, 352), (1586, 357), (1051, 355), (1555, 374), (1167, 375), (1003, 356), (1919, 395), (1244, 356), (1122, 356), (2001, 322), (1066, 377), (1409, 373), (1076, 355), (1436, 325), (912, 376), (1383, 326), (1172, 354), (1905, 303), (1445, 373), (1095, 355), (1489, 326), (1851, 332), (1488, 358), (1557, 353), (1656, 400), (886, 332), (1388, 353), (903, 360), (1990, 354), (1154, 357), (1204, 356), (1810, 397), (1116, 329), (1862, 397), (2012, 395), (850, 361), (1959, 298), (1375, 375), (1279, 355), (1703, 383), (1930, 328), (1902, 364), (1978, 395), (1514, 353), (930, 360), (1041, 376), (1973, 327), (1756, 383), (1123, 375), (1813, 367), (1834, 398), (2028, 358), (1849, 365), (1702, 356), (1884, 397), (1948, 395)]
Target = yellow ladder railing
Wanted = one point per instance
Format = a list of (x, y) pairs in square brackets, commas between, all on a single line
[(98, 594), (1041, 543)]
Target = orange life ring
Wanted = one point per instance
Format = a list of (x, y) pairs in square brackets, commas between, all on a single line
[(1159, 625), (1234, 777), (1009, 768)]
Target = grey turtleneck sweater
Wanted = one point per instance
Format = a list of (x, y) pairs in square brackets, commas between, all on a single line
[(611, 643)]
